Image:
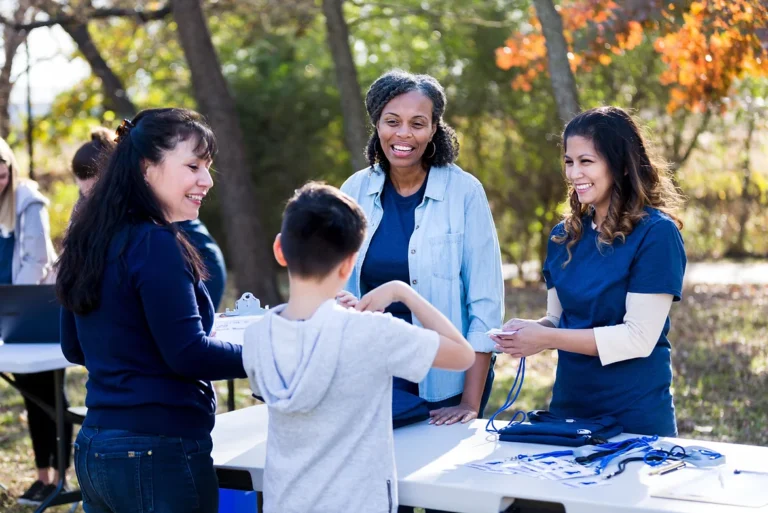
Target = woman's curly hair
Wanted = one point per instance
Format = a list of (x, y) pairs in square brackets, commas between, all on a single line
[(639, 178), (393, 84)]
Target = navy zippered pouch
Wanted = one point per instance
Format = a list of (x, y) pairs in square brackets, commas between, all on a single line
[(543, 427)]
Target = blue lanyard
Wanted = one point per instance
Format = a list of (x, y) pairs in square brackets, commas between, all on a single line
[(517, 386)]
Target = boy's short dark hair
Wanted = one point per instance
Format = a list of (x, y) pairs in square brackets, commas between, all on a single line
[(321, 227)]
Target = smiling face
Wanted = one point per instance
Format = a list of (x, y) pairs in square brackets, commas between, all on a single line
[(180, 181), (589, 174), (405, 129)]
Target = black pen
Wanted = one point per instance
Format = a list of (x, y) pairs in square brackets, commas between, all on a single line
[(756, 472)]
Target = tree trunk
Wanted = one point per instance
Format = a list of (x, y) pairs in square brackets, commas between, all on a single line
[(116, 98), (563, 83), (738, 249), (12, 39), (252, 262), (5, 83), (352, 105)]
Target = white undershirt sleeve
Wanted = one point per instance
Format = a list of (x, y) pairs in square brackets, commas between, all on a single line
[(554, 307), (638, 334)]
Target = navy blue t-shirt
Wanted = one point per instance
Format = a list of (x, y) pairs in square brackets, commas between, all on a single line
[(387, 256), (6, 259), (592, 289)]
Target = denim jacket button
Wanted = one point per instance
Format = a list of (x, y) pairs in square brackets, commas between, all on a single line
[(417, 226), (413, 252), (415, 282)]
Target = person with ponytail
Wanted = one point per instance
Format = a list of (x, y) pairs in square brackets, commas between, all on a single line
[(137, 315), (430, 226), (614, 267), (91, 157)]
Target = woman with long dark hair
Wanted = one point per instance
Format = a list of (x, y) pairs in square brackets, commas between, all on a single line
[(137, 315), (88, 162), (614, 266)]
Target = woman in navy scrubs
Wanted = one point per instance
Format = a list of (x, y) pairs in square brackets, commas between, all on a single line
[(613, 268)]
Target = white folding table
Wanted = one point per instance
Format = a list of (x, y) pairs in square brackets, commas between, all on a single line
[(24, 358), (431, 473)]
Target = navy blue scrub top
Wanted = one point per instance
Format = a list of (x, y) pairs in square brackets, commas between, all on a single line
[(592, 289), (387, 256), (6, 259), (212, 257)]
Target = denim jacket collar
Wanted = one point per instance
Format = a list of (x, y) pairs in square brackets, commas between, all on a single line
[(436, 182)]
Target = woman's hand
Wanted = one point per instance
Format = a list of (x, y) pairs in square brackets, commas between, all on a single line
[(453, 414), (382, 296), (529, 338), (346, 299)]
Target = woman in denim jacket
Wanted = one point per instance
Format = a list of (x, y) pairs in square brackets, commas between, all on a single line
[(429, 224)]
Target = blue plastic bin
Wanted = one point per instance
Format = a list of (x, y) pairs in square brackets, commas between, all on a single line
[(237, 501)]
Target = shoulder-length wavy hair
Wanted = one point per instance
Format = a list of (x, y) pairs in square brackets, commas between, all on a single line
[(122, 197), (639, 178), (393, 84)]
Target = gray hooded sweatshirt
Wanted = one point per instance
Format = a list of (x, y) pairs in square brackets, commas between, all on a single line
[(328, 384), (33, 253)]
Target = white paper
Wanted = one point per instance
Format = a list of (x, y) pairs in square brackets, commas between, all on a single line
[(551, 467), (497, 331), (232, 328)]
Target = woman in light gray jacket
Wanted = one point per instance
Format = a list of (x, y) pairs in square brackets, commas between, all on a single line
[(26, 251), (26, 258)]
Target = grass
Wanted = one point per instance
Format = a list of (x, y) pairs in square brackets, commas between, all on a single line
[(720, 356)]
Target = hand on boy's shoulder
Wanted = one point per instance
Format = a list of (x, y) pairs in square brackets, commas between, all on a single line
[(381, 297), (346, 299)]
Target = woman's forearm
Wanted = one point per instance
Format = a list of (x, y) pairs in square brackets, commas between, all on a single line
[(573, 341), (474, 381)]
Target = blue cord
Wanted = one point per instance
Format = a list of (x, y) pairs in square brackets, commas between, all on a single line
[(623, 447), (656, 457), (541, 456), (514, 392)]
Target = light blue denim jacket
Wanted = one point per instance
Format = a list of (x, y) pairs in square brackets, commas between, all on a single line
[(454, 258)]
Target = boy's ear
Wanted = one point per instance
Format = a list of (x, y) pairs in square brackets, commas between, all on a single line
[(277, 249), (347, 266)]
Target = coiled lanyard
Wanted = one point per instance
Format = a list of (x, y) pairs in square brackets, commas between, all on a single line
[(514, 392)]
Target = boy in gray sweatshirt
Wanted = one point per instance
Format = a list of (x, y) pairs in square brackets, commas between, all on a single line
[(325, 370)]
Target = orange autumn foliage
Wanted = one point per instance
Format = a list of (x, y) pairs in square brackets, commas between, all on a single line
[(706, 45)]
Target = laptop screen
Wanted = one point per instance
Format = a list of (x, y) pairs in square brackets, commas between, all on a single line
[(29, 314)]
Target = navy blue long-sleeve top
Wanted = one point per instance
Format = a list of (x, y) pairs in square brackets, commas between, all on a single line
[(146, 347)]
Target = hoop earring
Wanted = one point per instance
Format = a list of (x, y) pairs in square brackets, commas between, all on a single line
[(434, 149)]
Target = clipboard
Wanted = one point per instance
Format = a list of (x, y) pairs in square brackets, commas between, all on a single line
[(230, 326), (716, 485)]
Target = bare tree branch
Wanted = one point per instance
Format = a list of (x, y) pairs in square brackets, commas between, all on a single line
[(694, 140), (420, 11), (94, 13)]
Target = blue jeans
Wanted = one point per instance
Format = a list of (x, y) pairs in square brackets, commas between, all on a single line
[(125, 472)]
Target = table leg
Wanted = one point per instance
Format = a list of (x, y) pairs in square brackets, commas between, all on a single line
[(62, 446), (230, 395)]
